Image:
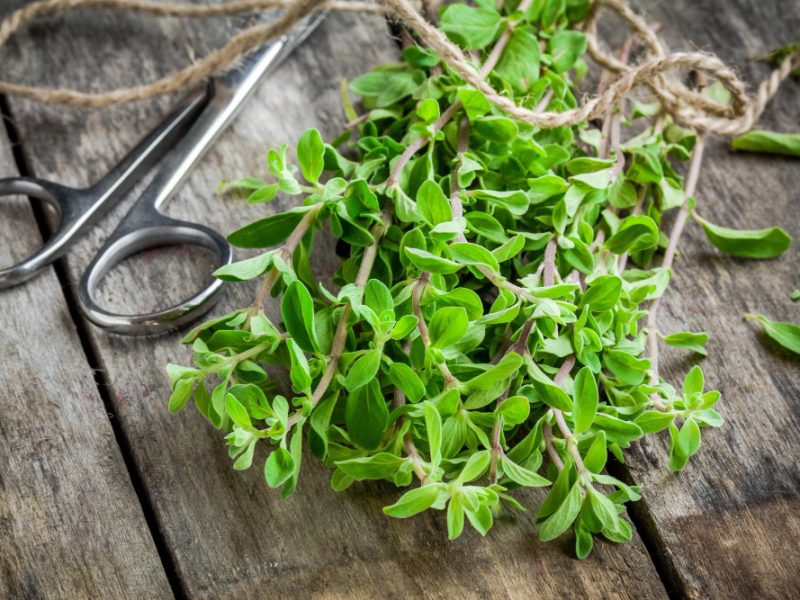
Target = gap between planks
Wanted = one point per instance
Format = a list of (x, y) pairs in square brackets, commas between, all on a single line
[(92, 359)]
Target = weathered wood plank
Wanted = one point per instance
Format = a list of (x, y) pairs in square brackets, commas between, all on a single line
[(230, 535), (727, 525), (70, 521)]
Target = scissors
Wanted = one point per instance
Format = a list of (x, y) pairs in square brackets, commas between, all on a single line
[(183, 136)]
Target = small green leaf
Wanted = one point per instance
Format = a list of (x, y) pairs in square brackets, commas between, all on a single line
[(687, 339), (413, 501), (299, 373), (433, 425), (268, 231), (425, 261), (603, 293), (297, 309), (566, 46), (181, 392), (473, 28), (756, 243), (311, 154), (366, 415), (247, 269), (237, 412), (769, 142), (564, 516), (363, 370), (597, 453), (553, 395), (514, 410), (521, 475), (475, 467), (519, 63), (636, 232), (473, 254), (448, 326), (455, 517), (407, 380), (279, 467), (585, 394), (786, 334), (432, 204)]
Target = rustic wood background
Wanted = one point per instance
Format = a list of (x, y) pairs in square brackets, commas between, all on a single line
[(103, 494)]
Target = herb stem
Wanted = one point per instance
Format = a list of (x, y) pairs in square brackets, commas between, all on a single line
[(444, 118), (669, 257), (569, 438), (286, 251), (340, 336)]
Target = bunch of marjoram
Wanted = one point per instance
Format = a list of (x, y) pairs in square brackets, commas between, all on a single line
[(488, 326)]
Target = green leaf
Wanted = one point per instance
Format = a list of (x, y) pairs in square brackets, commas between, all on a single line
[(269, 231), (603, 293), (756, 243), (181, 392), (279, 467), (378, 297), (507, 365), (687, 339), (432, 204), (476, 465), (474, 102), (247, 269), (636, 232), (564, 516), (552, 395), (455, 517), (521, 475), (519, 63), (473, 254), (414, 501), (604, 509), (448, 326), (407, 380), (363, 370), (237, 412), (311, 154), (566, 46), (693, 383), (366, 415), (425, 261), (319, 424), (585, 394), (652, 421), (378, 466), (472, 28), (299, 373), (264, 194), (514, 410), (495, 128), (597, 453), (768, 142), (786, 334), (297, 309), (433, 425)]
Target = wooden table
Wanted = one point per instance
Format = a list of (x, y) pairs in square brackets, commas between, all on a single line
[(103, 494)]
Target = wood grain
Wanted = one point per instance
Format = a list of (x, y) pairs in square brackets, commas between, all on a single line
[(227, 533), (70, 522), (726, 527)]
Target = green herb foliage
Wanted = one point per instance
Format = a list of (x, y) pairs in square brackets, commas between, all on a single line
[(483, 333)]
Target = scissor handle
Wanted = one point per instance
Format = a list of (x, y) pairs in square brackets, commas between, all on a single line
[(151, 230), (79, 209), (68, 204)]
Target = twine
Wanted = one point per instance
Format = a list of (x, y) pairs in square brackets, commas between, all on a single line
[(685, 105)]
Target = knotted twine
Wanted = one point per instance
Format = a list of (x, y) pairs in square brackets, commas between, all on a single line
[(684, 105)]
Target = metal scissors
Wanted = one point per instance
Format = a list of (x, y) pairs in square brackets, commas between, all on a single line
[(183, 137)]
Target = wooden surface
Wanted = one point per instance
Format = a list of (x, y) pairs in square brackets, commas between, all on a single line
[(723, 528), (70, 520)]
